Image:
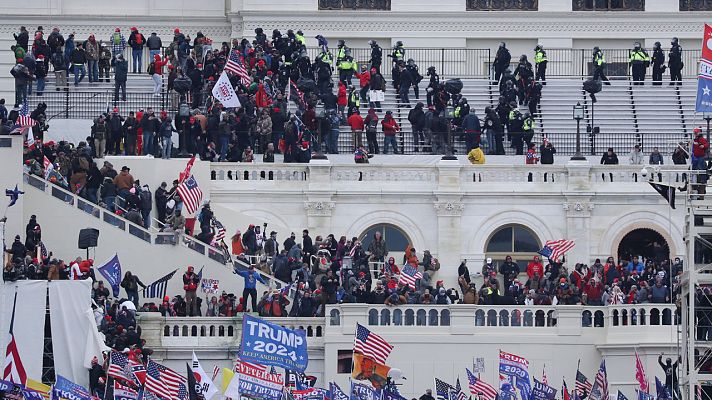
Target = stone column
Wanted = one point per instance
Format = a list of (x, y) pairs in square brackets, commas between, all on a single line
[(319, 204), (449, 208), (578, 208)]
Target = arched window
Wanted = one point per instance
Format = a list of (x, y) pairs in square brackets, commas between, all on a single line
[(517, 241), (395, 237)]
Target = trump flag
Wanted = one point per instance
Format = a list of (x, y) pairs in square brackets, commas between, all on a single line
[(704, 78)]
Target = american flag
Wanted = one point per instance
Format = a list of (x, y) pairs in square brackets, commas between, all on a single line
[(554, 249), (216, 371), (371, 345), (219, 230), (164, 382), (544, 379), (191, 194), (119, 366), (640, 374), (235, 66), (583, 385), (478, 386), (14, 371), (600, 384), (296, 93), (23, 122), (457, 393), (409, 275), (442, 390)]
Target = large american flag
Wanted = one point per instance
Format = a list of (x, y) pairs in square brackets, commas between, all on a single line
[(554, 249), (191, 194), (164, 382), (13, 370), (478, 386), (119, 366), (409, 275), (600, 384), (235, 66), (583, 385), (24, 121), (371, 345)]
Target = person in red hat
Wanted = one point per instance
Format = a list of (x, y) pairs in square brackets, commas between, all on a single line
[(136, 41), (190, 285), (157, 67), (41, 69), (118, 42)]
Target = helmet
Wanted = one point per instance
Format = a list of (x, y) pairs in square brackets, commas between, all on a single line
[(341, 42), (411, 61), (636, 45), (657, 44), (596, 49), (502, 44), (674, 41), (399, 43), (523, 58), (538, 47)]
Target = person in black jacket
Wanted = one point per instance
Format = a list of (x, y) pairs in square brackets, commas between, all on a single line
[(116, 133), (95, 373), (130, 134), (610, 157), (501, 61), (416, 117), (154, 45), (78, 58), (41, 69), (509, 270), (406, 80), (307, 246), (22, 38), (547, 151), (658, 62), (121, 70)]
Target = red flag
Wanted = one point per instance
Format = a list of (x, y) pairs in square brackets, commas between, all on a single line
[(565, 392), (640, 374), (186, 172), (707, 43)]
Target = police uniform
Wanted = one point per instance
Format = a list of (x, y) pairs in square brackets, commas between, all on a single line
[(658, 61), (540, 61), (639, 60), (599, 63), (675, 64)]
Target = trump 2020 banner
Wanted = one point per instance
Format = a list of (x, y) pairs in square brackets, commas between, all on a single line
[(66, 389), (270, 344), (541, 391), (516, 367), (258, 383), (704, 78)]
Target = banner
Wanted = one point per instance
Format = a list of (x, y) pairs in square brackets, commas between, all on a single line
[(30, 394), (517, 368), (270, 344), (122, 392), (209, 286), (479, 365), (258, 383), (225, 93), (365, 368), (704, 78), (360, 391), (542, 391), (336, 392), (6, 386), (310, 394), (111, 270), (69, 390), (40, 387)]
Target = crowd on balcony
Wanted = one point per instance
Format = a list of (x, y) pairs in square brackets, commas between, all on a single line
[(291, 104)]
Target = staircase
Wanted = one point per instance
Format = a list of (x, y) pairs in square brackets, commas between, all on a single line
[(148, 254)]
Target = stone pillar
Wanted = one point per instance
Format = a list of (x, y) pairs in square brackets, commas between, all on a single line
[(578, 208), (449, 208), (319, 204), (151, 325)]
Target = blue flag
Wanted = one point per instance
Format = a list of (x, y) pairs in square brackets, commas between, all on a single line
[(541, 391), (644, 396), (360, 391), (270, 344), (336, 392), (663, 393), (30, 394), (388, 395), (111, 270), (64, 388), (621, 396), (13, 194)]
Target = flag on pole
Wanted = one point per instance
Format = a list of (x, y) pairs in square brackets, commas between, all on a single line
[(621, 396), (704, 78), (565, 392), (640, 373), (164, 382), (14, 370), (186, 172), (204, 385), (224, 92), (480, 388), (219, 230), (600, 384), (190, 193), (554, 249), (234, 65), (583, 385), (23, 123), (667, 191), (123, 392), (544, 379), (158, 288), (111, 270), (119, 367), (371, 345), (442, 390), (14, 195), (457, 393), (662, 390)]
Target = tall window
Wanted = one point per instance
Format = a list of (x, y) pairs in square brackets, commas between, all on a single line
[(517, 241), (395, 238), (502, 5), (608, 5), (354, 4), (695, 5)]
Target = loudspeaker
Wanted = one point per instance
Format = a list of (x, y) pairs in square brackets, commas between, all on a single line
[(88, 237)]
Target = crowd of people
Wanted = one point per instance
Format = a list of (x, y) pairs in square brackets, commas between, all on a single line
[(278, 71)]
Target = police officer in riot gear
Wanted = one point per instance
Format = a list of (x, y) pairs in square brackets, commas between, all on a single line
[(341, 50), (524, 74), (675, 62), (501, 61), (412, 68), (658, 62), (639, 62), (433, 85), (376, 55), (540, 61), (599, 63)]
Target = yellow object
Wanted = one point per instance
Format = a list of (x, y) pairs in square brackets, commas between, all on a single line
[(38, 387), (476, 156), (364, 368), (227, 375)]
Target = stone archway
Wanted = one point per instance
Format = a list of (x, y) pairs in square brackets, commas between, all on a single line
[(645, 242)]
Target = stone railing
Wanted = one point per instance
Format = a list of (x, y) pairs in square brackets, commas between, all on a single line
[(443, 176), (214, 331), (471, 319)]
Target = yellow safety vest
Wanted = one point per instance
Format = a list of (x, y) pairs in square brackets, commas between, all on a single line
[(355, 99), (300, 39), (639, 55), (528, 124), (599, 59), (540, 56), (341, 53)]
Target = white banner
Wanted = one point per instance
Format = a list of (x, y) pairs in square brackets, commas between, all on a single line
[(205, 385), (224, 92)]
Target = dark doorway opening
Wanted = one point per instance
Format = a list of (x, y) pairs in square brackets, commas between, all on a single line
[(644, 242)]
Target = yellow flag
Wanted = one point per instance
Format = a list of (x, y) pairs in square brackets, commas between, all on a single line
[(39, 387), (227, 375)]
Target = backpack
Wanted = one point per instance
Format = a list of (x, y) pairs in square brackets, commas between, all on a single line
[(116, 38), (152, 68)]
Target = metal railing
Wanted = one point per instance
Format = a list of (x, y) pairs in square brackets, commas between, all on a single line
[(86, 104)]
